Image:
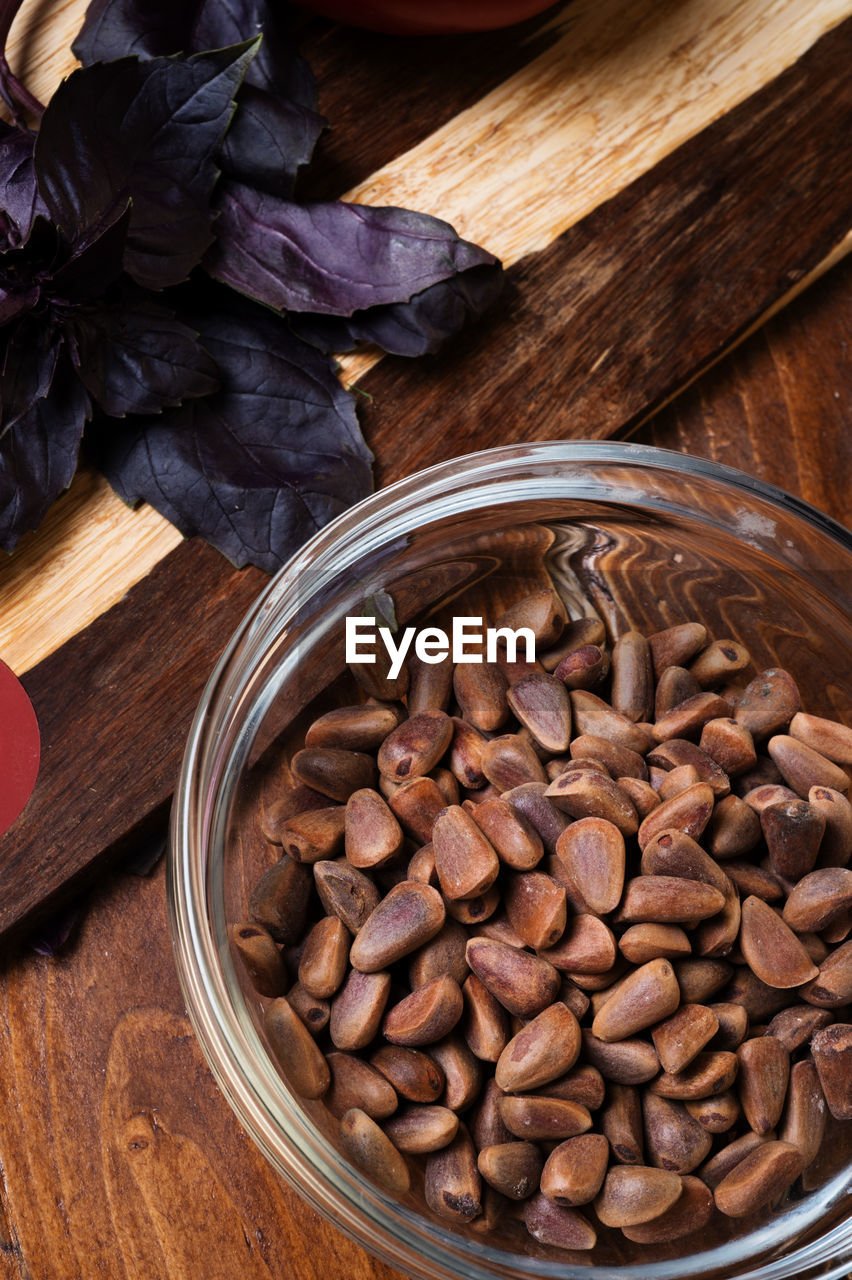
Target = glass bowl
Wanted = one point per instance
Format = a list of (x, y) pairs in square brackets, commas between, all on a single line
[(640, 536)]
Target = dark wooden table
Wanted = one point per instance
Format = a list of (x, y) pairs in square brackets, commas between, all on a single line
[(119, 1156)]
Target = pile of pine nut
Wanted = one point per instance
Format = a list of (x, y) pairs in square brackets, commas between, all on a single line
[(567, 939)]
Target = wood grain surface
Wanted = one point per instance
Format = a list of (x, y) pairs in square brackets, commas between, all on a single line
[(120, 1159), (780, 406), (87, 553), (516, 135), (628, 305), (675, 233), (112, 730)]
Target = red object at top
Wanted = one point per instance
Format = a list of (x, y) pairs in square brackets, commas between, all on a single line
[(428, 17), (20, 747)]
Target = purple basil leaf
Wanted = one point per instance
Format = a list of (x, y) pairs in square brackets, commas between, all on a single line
[(13, 92), (276, 123), (414, 328), (52, 934), (96, 264), (25, 268), (38, 456), (14, 302), (258, 467), (269, 140), (19, 196), (276, 126), (134, 356), (333, 258), (157, 28), (147, 852), (277, 66), (29, 363), (39, 254), (147, 28), (146, 132)]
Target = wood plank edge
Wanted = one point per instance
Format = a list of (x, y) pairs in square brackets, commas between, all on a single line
[(74, 893), (115, 703), (833, 259)]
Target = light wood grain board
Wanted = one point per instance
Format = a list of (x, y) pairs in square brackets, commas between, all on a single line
[(619, 88), (89, 550)]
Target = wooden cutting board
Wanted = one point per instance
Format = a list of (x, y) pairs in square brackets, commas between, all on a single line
[(659, 177)]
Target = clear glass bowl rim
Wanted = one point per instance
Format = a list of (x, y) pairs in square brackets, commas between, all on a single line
[(250, 1083)]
